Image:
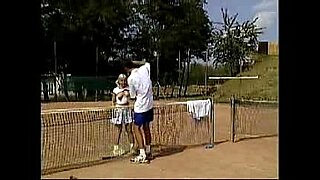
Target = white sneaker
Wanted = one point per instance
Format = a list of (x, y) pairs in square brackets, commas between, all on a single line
[(118, 152), (139, 159)]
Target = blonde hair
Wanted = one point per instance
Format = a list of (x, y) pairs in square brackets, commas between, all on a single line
[(121, 76)]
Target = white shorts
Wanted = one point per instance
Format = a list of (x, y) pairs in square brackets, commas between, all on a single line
[(122, 115)]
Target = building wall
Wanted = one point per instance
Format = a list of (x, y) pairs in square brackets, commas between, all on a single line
[(263, 47), (273, 48), (268, 48)]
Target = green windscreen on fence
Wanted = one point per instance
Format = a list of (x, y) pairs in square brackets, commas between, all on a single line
[(91, 83), (77, 88)]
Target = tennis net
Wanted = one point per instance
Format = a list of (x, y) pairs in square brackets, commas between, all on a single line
[(82, 137)]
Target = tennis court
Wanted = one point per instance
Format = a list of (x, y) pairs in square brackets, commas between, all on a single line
[(253, 158)]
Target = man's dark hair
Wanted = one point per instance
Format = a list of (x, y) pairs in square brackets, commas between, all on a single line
[(128, 64)]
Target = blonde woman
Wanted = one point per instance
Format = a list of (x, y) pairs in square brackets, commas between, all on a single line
[(122, 114)]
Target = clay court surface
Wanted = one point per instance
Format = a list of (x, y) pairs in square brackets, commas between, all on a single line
[(250, 158)]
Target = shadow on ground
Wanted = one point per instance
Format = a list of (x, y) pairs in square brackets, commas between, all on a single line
[(254, 137), (157, 151), (161, 150), (167, 150)]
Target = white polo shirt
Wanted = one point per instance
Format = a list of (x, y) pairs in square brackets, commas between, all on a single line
[(140, 87)]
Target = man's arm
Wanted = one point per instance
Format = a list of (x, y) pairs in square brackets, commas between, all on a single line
[(132, 90)]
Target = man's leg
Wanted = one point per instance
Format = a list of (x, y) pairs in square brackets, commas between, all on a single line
[(147, 133), (139, 137), (139, 119)]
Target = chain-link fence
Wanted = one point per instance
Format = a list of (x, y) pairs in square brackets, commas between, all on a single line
[(252, 119)]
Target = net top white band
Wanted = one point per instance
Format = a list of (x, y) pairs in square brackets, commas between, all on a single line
[(241, 77)]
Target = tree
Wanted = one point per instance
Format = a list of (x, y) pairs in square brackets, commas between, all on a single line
[(234, 42), (82, 26), (124, 30), (174, 26)]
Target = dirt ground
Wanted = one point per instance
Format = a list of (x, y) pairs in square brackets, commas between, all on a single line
[(253, 158)]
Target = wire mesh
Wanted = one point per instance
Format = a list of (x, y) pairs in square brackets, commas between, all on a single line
[(254, 119), (78, 138)]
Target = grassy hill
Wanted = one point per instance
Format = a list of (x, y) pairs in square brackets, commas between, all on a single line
[(264, 88)]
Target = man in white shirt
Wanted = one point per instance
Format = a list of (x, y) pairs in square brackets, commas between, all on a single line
[(140, 88)]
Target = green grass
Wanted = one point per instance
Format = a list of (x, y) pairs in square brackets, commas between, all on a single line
[(264, 88)]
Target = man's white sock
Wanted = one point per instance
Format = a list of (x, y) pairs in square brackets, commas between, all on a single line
[(148, 149), (115, 147), (143, 152), (131, 146)]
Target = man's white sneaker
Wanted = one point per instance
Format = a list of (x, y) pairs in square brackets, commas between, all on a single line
[(139, 159)]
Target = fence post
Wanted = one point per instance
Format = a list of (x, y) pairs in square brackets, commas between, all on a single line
[(211, 120), (232, 124), (42, 145), (212, 113)]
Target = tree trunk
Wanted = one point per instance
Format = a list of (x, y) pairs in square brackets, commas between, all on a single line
[(231, 70), (158, 90), (78, 89), (181, 80), (97, 64), (165, 90), (45, 92), (172, 91), (166, 82), (55, 70), (188, 74), (187, 80), (158, 83), (65, 89), (101, 94)]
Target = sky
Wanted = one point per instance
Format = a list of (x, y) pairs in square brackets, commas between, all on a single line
[(265, 10)]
